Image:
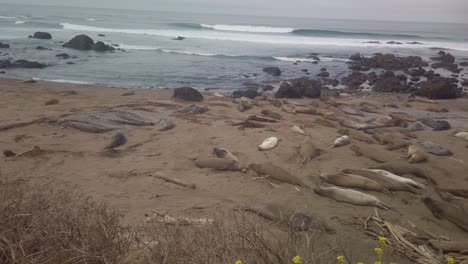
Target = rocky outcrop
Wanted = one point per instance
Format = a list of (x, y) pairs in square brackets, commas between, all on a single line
[(64, 56), (101, 35), (4, 46), (298, 88), (394, 43), (354, 80), (416, 72), (41, 35), (445, 61), (42, 48), (80, 42), (386, 62), (275, 71), (323, 73), (440, 88), (187, 94), (102, 47), (250, 93), (179, 38), (21, 64), (389, 82)]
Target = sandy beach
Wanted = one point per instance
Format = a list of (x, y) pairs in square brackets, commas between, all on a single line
[(76, 160)]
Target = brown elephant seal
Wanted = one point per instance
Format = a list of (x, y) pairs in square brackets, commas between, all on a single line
[(387, 183), (350, 196), (218, 164), (223, 153), (447, 211), (296, 220), (436, 149), (457, 192), (308, 151), (354, 134), (276, 173), (402, 167), (352, 181), (416, 154), (272, 114), (394, 141), (371, 153), (325, 122), (359, 125), (449, 246)]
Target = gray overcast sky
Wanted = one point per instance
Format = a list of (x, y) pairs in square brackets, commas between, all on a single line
[(413, 10)]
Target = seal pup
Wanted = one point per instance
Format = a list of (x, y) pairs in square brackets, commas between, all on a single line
[(298, 130), (354, 134), (350, 196), (462, 135), (166, 125), (223, 153), (447, 211), (269, 143), (352, 181), (436, 149), (308, 151), (399, 178), (272, 114), (341, 141), (388, 183), (350, 111), (325, 122), (276, 173), (218, 164), (118, 140), (403, 167), (416, 154), (359, 125)]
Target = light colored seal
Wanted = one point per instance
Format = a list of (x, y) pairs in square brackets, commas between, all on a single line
[(341, 141), (402, 167), (462, 135), (359, 125), (276, 173), (218, 164), (298, 130), (269, 143), (350, 196), (352, 181), (350, 111), (416, 154), (388, 183), (308, 150), (447, 211), (395, 177)]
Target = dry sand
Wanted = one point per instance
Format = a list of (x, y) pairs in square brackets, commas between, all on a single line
[(76, 160)]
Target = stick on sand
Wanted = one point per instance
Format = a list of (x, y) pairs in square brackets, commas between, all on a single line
[(163, 177)]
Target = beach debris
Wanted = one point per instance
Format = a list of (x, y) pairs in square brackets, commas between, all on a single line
[(436, 149), (298, 130), (416, 154), (118, 140), (194, 109), (350, 196), (272, 114), (180, 221), (52, 102), (163, 177), (276, 173), (341, 141), (166, 124), (268, 144), (453, 214)]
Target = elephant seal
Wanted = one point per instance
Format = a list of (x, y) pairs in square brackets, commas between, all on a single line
[(397, 178), (438, 125), (325, 122), (296, 220), (402, 167), (272, 114), (416, 154), (462, 135), (269, 143), (167, 125), (388, 183), (371, 153), (354, 134), (276, 173), (352, 181), (457, 192), (218, 164), (449, 246), (350, 196), (298, 130), (341, 141), (308, 151), (359, 125), (118, 140), (394, 140), (436, 149), (350, 111), (447, 211), (416, 126), (223, 153)]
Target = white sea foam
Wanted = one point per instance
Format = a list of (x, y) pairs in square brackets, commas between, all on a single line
[(7, 17), (91, 19), (137, 47), (62, 81), (19, 22), (293, 59), (142, 47), (262, 38), (254, 29)]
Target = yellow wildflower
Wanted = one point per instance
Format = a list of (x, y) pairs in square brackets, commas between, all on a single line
[(378, 251), (238, 261), (340, 259), (360, 262), (450, 260), (382, 240), (377, 262), (297, 260)]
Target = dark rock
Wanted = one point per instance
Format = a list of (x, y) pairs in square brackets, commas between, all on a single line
[(444, 57), (4, 46), (130, 93), (102, 47), (394, 42), (448, 66), (315, 62), (22, 64), (80, 42), (70, 63), (118, 140), (389, 82), (187, 94), (415, 79), (305, 70), (275, 71), (313, 56), (354, 80), (301, 87), (2, 72), (42, 35), (332, 82), (416, 72), (42, 48), (101, 35), (323, 74), (268, 87), (386, 62), (414, 43), (179, 38), (463, 63), (52, 102), (464, 82), (439, 88), (373, 42), (245, 93), (64, 56)]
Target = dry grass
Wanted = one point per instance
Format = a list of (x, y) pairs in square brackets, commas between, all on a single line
[(232, 237), (42, 225)]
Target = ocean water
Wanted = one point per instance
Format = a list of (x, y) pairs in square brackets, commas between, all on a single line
[(220, 51)]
